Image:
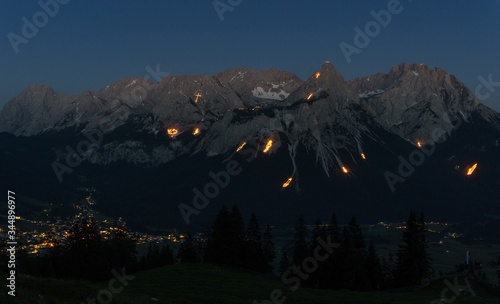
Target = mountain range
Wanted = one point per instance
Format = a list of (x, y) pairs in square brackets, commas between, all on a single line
[(372, 146)]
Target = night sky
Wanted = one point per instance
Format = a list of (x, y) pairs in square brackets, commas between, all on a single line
[(90, 44)]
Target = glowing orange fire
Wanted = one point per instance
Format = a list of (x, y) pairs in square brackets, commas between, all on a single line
[(268, 146), (317, 75), (363, 156), (196, 131), (310, 96), (241, 146), (419, 144), (471, 169), (197, 95), (344, 169), (172, 132), (287, 183)]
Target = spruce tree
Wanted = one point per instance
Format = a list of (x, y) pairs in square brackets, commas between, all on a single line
[(268, 249), (334, 265), (412, 262), (496, 264), (424, 257), (284, 262), (374, 268), (254, 256), (166, 255), (236, 237), (318, 278), (152, 257), (122, 248), (353, 257), (388, 270), (187, 252), (217, 247), (300, 244), (83, 251)]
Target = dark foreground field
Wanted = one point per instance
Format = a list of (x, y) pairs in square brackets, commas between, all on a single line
[(205, 284)]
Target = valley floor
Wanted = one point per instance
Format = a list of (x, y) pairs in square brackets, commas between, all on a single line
[(206, 284)]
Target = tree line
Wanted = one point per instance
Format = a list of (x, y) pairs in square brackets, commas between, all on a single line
[(85, 254), (353, 265), (228, 241)]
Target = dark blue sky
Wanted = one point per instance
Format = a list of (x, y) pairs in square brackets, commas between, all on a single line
[(90, 44)]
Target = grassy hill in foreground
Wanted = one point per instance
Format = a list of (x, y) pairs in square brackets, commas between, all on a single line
[(205, 284)]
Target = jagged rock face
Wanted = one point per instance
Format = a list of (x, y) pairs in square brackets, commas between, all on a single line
[(138, 166), (414, 101), (264, 88), (326, 81), (39, 109), (176, 100), (325, 113), (325, 122), (324, 116)]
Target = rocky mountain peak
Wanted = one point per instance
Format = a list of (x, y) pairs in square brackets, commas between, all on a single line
[(325, 84), (412, 100), (263, 88), (330, 79)]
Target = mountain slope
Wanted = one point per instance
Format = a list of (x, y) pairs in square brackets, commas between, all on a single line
[(328, 146), (413, 101)]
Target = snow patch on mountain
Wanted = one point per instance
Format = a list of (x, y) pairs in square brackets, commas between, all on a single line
[(269, 94), (240, 76), (371, 93)]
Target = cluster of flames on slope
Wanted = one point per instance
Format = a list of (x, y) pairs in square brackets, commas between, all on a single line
[(267, 147), (173, 132), (316, 75)]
